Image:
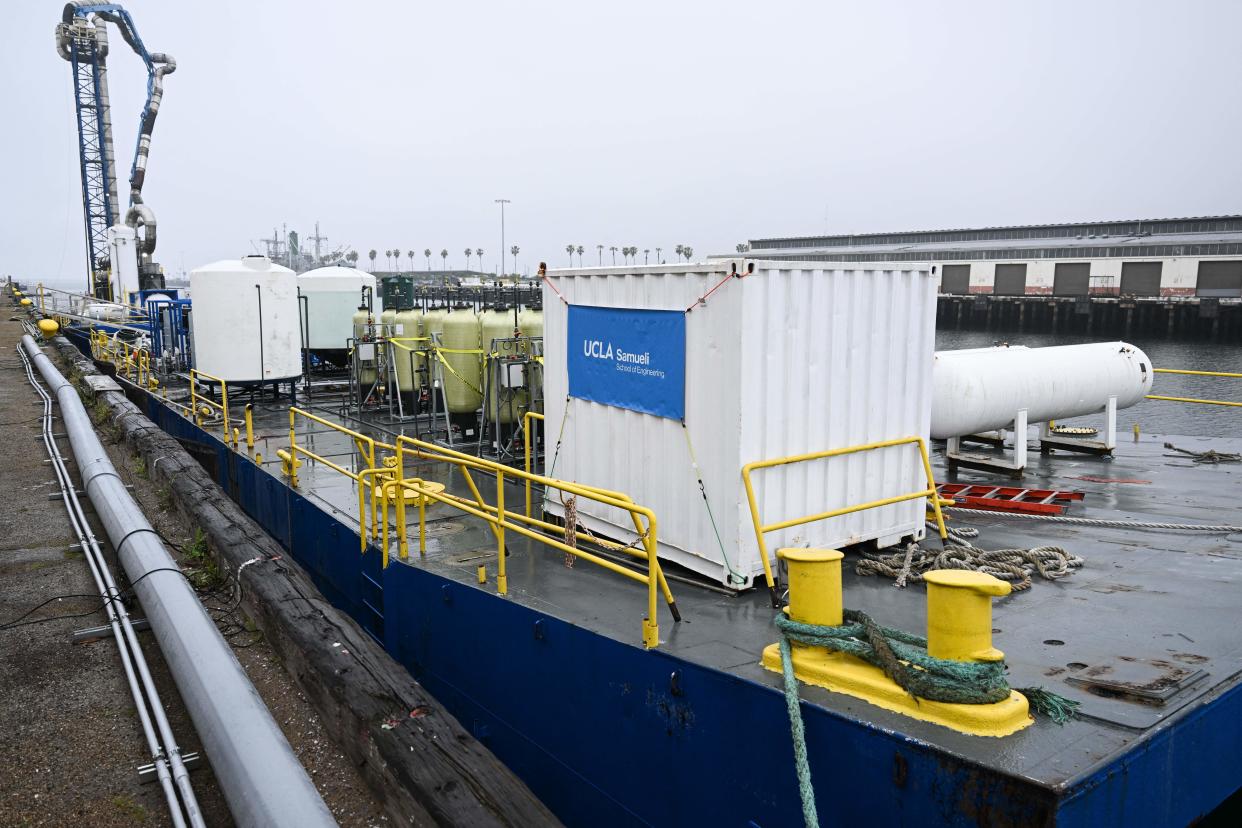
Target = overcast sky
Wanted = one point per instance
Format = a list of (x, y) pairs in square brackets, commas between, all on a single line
[(637, 123)]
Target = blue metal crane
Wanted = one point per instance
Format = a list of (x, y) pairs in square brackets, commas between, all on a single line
[(113, 248)]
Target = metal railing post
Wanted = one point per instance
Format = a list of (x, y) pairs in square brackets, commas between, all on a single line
[(249, 425), (651, 626), (502, 580), (293, 450), (422, 521), (224, 407), (198, 417)]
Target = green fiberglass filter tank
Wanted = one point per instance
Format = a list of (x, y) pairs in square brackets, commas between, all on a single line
[(530, 323), (407, 357), (364, 346), (462, 367), (507, 399)]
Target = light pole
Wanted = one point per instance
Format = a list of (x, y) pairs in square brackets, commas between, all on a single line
[(502, 202)]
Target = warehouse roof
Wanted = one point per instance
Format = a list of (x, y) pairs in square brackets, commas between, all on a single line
[(1196, 236)]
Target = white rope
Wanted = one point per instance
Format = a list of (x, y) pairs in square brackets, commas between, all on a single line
[(1120, 524)]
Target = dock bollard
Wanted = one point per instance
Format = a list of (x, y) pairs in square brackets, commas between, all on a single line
[(959, 614), (814, 585)]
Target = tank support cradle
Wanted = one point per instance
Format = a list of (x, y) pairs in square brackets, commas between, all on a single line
[(1047, 443)]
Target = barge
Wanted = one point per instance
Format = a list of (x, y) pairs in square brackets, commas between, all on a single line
[(553, 666)]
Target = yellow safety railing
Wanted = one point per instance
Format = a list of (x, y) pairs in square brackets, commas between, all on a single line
[(131, 362), (385, 485), (527, 420), (503, 521), (762, 529), (366, 445), (204, 405), (1227, 374)]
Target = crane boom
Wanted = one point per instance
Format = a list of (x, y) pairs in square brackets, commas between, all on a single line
[(82, 39)]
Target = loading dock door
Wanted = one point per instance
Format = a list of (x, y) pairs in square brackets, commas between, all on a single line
[(1140, 278), (1010, 280), (955, 279), (1222, 279), (1072, 279)]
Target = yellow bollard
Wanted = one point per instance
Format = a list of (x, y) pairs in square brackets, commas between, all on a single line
[(959, 614), (814, 585), (48, 328), (250, 425), (1136, 432), (482, 574), (959, 627)]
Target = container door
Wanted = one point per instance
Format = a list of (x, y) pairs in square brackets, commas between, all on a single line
[(1072, 279), (1223, 279), (1140, 278), (955, 279), (1010, 280)]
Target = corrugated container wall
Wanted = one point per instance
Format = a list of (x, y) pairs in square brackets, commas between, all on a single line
[(793, 358)]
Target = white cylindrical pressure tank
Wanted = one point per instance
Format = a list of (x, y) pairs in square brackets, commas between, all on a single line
[(981, 389), (246, 326), (332, 295)]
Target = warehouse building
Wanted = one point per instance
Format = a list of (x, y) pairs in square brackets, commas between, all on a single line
[(1174, 257)]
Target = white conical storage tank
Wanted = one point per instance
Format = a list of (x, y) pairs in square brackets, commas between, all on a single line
[(246, 326), (332, 296)]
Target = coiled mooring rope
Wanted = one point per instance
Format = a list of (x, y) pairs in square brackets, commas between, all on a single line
[(903, 658), (1013, 565), (1211, 456)]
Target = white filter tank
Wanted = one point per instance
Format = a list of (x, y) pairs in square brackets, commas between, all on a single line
[(981, 389), (332, 295), (246, 326)]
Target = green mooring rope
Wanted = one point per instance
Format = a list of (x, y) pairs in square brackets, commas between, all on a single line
[(903, 658)]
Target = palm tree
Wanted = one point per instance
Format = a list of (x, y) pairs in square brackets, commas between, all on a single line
[(678, 250), (427, 253), (625, 254), (613, 250), (352, 257), (646, 254), (687, 251), (569, 248), (658, 259), (396, 259), (372, 254), (469, 253), (515, 250), (444, 257), (388, 257), (600, 248), (410, 255), (479, 252), (741, 248), (580, 252)]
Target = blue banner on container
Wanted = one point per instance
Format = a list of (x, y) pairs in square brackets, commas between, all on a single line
[(629, 358)]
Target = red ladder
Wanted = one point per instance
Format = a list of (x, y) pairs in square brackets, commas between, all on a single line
[(1009, 498)]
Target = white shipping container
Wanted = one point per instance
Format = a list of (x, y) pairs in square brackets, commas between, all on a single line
[(793, 358)]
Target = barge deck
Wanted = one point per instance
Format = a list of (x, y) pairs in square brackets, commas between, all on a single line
[(554, 678)]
